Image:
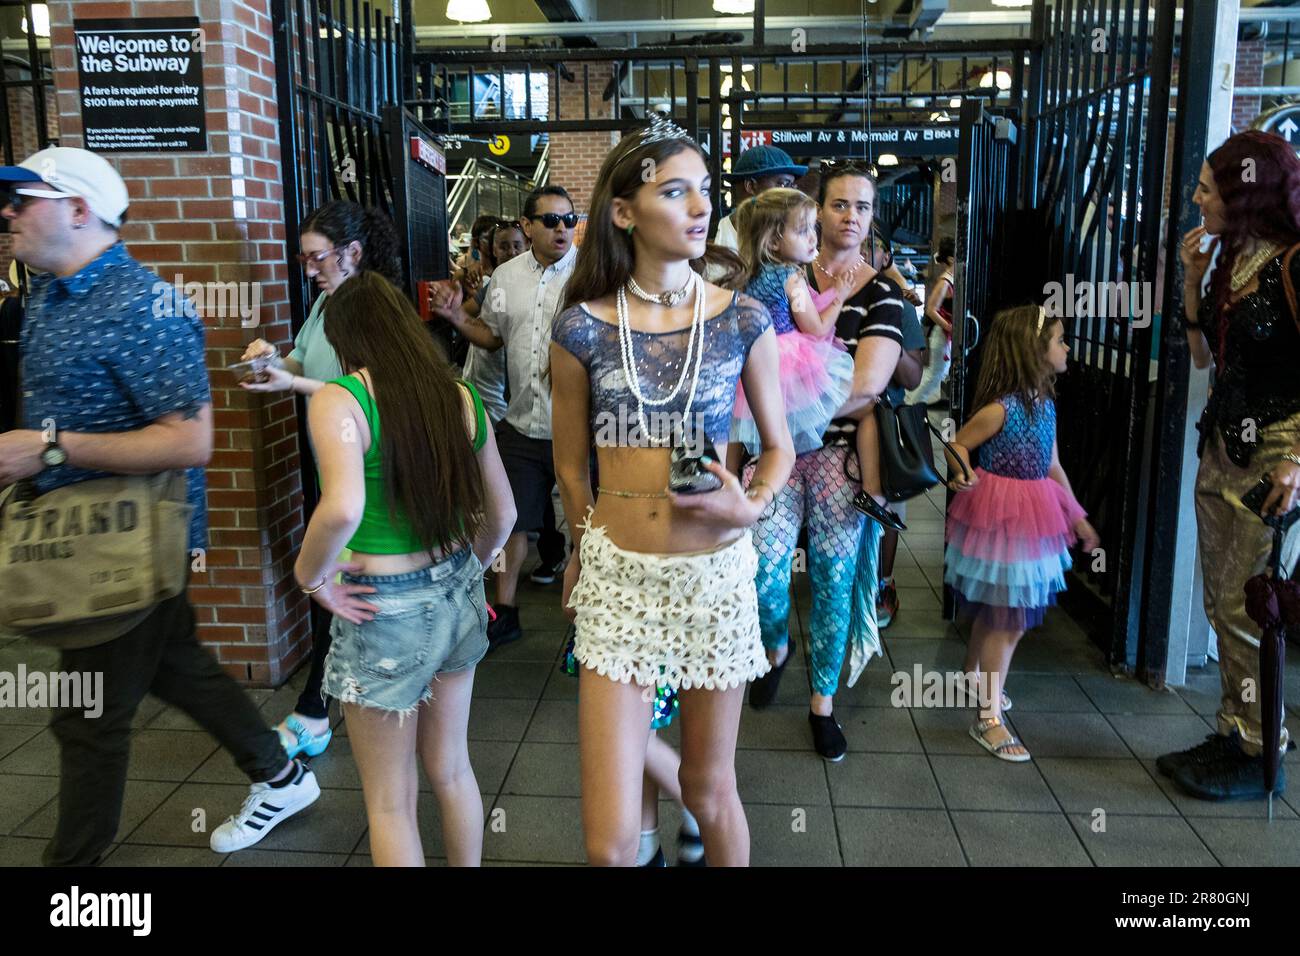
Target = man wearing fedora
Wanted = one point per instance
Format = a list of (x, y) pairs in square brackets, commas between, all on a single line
[(757, 169)]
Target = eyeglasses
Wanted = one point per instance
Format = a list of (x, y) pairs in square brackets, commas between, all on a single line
[(21, 198), (316, 258), (550, 219)]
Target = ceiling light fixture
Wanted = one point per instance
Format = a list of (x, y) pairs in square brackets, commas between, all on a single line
[(1003, 80), (468, 11), (40, 20)]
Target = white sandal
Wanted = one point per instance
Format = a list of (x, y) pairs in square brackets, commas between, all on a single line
[(982, 727)]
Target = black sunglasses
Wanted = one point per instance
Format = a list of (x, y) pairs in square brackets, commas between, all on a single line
[(550, 219)]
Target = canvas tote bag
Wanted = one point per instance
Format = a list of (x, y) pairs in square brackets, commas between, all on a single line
[(83, 564)]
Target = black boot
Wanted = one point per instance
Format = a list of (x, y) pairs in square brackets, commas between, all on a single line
[(1209, 749), (1232, 775), (763, 690), (505, 629), (828, 738)]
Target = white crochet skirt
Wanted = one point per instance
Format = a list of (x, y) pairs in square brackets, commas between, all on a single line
[(681, 620)]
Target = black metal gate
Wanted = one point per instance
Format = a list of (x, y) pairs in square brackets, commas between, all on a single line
[(986, 167), (337, 65), (344, 135), (1098, 114)]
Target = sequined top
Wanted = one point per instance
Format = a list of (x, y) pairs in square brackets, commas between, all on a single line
[(1023, 448), (1256, 379), (659, 357), (768, 288)]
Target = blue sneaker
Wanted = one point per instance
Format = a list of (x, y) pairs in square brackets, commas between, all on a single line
[(305, 743)]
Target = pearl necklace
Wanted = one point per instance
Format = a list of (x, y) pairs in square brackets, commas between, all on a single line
[(846, 276), (1245, 269), (629, 359), (671, 298)]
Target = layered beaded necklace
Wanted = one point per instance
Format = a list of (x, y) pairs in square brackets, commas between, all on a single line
[(694, 344)]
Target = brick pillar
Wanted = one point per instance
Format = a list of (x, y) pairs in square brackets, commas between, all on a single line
[(1249, 72), (576, 157), (218, 217)]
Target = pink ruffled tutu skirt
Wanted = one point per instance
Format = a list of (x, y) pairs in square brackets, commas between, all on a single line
[(1008, 543), (816, 379)]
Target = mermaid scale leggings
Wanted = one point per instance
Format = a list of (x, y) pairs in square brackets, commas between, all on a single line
[(819, 493)]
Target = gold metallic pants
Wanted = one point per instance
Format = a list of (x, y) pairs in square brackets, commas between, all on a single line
[(1235, 545)]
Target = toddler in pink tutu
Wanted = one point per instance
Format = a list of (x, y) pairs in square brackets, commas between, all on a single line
[(778, 238), (1010, 528)]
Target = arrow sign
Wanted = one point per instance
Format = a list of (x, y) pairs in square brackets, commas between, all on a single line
[(1288, 127)]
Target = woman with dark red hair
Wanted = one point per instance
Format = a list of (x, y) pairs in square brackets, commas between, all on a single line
[(1243, 325)]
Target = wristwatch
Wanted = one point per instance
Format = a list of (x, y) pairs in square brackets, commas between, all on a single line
[(53, 456)]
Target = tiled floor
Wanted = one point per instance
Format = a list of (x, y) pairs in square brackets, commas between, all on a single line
[(913, 790)]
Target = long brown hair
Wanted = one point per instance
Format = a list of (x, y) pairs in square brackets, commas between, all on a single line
[(430, 472), (761, 221), (605, 258), (1013, 360)]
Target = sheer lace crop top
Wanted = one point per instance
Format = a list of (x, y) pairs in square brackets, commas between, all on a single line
[(659, 358)]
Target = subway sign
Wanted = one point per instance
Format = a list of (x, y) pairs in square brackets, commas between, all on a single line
[(931, 139)]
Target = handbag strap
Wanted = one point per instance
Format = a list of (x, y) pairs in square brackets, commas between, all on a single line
[(965, 472), (885, 402)]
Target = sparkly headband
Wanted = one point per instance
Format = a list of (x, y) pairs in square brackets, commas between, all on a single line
[(1042, 317), (660, 129)]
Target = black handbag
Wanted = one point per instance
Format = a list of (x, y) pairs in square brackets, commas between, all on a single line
[(906, 456)]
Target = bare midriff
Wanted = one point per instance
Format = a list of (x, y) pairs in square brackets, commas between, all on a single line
[(394, 563), (650, 525)]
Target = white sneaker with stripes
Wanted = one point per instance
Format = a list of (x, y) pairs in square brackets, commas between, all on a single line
[(263, 809)]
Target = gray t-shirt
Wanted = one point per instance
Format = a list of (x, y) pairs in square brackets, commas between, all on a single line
[(312, 350), (913, 338)]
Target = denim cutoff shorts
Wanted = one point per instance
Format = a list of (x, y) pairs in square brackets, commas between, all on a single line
[(430, 622)]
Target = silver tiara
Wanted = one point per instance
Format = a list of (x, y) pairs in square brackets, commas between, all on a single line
[(661, 128)]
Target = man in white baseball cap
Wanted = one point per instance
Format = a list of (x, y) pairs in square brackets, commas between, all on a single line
[(113, 357), (59, 172)]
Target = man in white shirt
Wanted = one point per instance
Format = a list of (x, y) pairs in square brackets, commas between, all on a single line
[(519, 306), (757, 169)]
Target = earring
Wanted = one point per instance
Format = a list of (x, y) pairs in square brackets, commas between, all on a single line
[(630, 228)]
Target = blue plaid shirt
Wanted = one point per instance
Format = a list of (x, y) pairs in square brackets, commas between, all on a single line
[(111, 349)]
